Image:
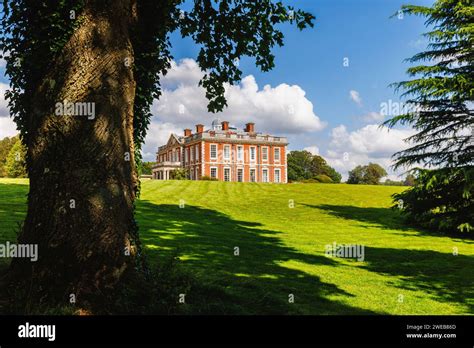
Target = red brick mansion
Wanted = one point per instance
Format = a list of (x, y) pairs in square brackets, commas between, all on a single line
[(224, 153)]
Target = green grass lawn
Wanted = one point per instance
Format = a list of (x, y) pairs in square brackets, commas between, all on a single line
[(282, 249), (13, 194)]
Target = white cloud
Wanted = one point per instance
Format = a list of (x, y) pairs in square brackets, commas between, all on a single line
[(373, 139), (282, 109), (7, 127), (373, 117), (3, 62), (371, 143), (186, 73), (3, 103), (355, 97), (313, 149), (157, 135)]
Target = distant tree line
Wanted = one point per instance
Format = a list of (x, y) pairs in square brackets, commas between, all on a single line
[(12, 158), (369, 174), (410, 180), (306, 167), (145, 168)]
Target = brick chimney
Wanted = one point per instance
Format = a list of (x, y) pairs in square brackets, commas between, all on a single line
[(250, 127), (199, 128), (225, 125), (187, 132)]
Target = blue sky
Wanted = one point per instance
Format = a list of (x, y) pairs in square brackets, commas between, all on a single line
[(312, 62), (376, 47)]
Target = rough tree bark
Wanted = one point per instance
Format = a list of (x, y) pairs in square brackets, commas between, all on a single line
[(82, 174)]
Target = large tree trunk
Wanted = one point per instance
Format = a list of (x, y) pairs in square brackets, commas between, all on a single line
[(82, 173)]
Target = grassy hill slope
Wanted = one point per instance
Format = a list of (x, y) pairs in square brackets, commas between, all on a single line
[(282, 249), (254, 247)]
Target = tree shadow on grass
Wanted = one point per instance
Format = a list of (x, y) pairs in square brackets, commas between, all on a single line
[(385, 218), (447, 277), (255, 282)]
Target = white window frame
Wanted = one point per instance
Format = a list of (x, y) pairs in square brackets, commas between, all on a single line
[(210, 151), (275, 176), (191, 151), (230, 174), (265, 159), (240, 153), (186, 155), (196, 152), (254, 174), (240, 170), (227, 152), (210, 172), (275, 151), (263, 177), (254, 154)]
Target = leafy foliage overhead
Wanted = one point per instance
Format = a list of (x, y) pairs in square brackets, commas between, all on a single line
[(33, 32)]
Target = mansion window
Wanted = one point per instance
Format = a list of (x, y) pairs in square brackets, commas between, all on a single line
[(226, 152), (197, 153), (226, 174), (214, 151), (264, 175), (240, 153), (214, 172), (277, 175), (252, 175), (240, 175), (264, 153), (252, 153), (277, 154), (192, 153)]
